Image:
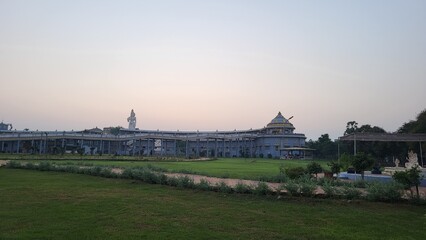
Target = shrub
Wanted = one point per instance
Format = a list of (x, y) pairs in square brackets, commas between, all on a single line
[(262, 189), (307, 186), (95, 171), (14, 164), (45, 166), (127, 173), (314, 168), (294, 173), (222, 187), (292, 187), (330, 190), (384, 192), (409, 178), (150, 177), (359, 184), (280, 178), (350, 192), (172, 181), (185, 182), (203, 185), (334, 167), (243, 188)]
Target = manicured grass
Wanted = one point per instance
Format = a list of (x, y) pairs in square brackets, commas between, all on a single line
[(52, 205), (245, 168)]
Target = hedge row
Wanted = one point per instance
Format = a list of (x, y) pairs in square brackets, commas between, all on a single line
[(304, 186)]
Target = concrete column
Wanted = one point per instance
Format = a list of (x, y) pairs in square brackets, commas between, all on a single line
[(175, 148), (109, 147), (18, 146), (40, 146), (216, 147), (207, 155), (223, 152), (198, 148), (2, 146), (186, 148)]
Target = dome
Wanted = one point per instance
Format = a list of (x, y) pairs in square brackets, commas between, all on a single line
[(280, 121)]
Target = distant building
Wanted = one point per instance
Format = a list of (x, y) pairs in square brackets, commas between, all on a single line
[(276, 140)]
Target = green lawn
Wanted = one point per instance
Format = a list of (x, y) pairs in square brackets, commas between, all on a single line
[(245, 168), (52, 205)]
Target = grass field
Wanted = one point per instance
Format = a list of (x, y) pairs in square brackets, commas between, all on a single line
[(52, 205), (244, 168)]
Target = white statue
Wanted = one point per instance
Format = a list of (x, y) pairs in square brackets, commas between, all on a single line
[(412, 160), (396, 162), (132, 120)]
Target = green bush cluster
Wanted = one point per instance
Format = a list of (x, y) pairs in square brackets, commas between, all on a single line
[(384, 192), (303, 185), (243, 188)]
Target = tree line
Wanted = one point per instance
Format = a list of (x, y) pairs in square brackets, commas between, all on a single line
[(382, 152)]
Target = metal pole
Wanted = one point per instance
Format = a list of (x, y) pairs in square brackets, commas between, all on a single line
[(338, 152), (421, 153), (354, 145)]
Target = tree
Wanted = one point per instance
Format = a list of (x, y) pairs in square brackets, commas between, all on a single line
[(335, 167), (417, 126), (362, 162), (351, 127), (409, 178), (314, 168), (324, 147)]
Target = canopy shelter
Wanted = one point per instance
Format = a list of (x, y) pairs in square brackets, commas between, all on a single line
[(386, 137)]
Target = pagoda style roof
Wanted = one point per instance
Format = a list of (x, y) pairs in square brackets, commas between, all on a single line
[(280, 121)]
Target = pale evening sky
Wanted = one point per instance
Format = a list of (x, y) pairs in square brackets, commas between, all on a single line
[(211, 65)]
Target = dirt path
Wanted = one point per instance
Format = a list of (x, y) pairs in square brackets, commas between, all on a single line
[(3, 162)]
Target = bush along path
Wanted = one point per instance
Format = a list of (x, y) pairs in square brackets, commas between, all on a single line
[(306, 186)]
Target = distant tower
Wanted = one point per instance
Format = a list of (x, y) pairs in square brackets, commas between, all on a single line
[(132, 120)]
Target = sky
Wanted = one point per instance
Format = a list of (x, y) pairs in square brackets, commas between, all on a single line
[(212, 65)]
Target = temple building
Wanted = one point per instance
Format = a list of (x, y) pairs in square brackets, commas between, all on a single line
[(276, 140)]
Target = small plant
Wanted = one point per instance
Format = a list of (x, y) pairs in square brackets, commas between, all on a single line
[(314, 168), (185, 182), (262, 189), (203, 185), (172, 181), (44, 166), (359, 184), (307, 186), (334, 167), (222, 187), (362, 162), (409, 178), (350, 192), (292, 187), (330, 190), (242, 188)]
